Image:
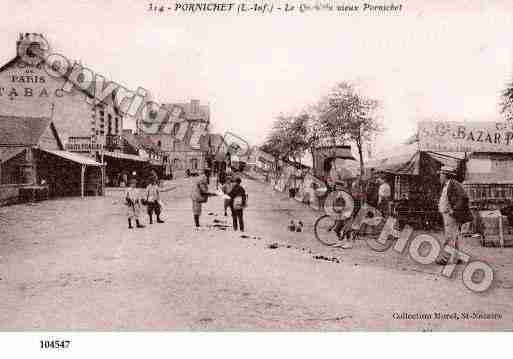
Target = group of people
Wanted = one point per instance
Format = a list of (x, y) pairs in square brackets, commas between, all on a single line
[(235, 198), (453, 207), (453, 203), (135, 199)]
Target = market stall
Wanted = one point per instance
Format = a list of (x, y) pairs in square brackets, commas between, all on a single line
[(414, 180)]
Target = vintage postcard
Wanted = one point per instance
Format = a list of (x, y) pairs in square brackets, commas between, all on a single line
[(259, 166)]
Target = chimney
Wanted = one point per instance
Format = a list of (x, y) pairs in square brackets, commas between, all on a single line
[(195, 106), (32, 42)]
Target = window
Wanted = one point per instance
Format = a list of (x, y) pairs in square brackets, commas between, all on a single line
[(159, 143), (109, 126)]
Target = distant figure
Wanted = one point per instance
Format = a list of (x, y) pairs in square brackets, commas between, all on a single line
[(124, 180), (133, 201), (207, 171), (238, 203), (221, 177)]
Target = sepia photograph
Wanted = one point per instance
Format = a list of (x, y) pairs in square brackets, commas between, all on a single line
[(268, 166)]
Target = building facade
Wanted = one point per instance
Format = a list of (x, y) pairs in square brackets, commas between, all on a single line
[(179, 136), (29, 90)]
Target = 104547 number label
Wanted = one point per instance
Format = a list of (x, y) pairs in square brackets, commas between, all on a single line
[(54, 344)]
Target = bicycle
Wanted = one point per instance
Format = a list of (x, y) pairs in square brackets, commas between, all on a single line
[(336, 229)]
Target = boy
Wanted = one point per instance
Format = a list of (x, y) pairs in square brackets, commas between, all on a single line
[(133, 201), (152, 200), (227, 188), (199, 195)]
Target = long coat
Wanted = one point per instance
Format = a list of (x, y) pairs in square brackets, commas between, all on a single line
[(199, 194), (459, 202)]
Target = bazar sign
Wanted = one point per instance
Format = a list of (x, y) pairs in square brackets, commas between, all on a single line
[(466, 136)]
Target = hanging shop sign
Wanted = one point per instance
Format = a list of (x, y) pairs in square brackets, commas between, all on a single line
[(83, 144), (443, 136)]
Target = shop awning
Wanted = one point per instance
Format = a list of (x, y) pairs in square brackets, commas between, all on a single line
[(74, 157), (124, 156), (401, 164), (408, 162)]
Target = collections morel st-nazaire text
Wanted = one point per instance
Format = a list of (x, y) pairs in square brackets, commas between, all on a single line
[(447, 316)]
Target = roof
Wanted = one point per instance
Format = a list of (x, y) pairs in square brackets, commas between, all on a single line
[(140, 142), (74, 157), (22, 131), (188, 113), (404, 163), (407, 159), (7, 153)]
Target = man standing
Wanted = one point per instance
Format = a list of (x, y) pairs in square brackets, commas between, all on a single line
[(237, 204), (153, 199), (199, 195), (384, 196), (454, 207)]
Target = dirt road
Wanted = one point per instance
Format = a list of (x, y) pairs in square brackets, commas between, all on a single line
[(72, 264)]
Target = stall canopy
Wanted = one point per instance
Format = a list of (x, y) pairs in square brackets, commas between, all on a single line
[(124, 156), (75, 169), (74, 157), (408, 160)]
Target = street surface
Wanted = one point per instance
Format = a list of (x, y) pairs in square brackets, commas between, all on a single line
[(72, 264)]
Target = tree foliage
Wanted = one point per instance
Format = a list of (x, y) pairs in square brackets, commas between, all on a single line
[(288, 138), (343, 116), (506, 103), (348, 116)]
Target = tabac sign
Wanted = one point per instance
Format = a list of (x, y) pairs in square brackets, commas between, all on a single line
[(466, 136)]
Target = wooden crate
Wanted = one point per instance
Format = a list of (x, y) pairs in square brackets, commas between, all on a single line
[(496, 230), (495, 241)]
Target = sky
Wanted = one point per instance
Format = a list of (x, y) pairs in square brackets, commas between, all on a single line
[(432, 60)]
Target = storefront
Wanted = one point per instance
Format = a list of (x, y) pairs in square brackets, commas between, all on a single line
[(121, 167), (33, 162), (413, 177)]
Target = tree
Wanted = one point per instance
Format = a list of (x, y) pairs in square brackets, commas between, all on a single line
[(288, 138), (346, 115), (506, 103)]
